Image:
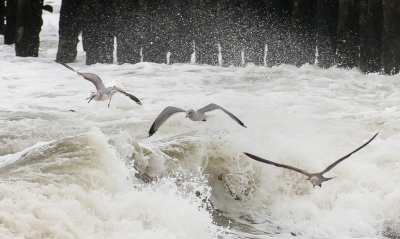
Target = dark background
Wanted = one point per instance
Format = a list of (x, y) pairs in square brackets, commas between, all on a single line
[(347, 33)]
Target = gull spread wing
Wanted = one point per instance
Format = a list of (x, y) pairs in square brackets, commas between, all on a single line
[(95, 79), (132, 97), (68, 67), (162, 117), (345, 157), (277, 164), (213, 106)]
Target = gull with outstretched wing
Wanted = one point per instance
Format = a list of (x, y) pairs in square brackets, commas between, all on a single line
[(103, 92), (194, 115), (316, 179)]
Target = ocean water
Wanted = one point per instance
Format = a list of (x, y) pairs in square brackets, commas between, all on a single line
[(70, 169)]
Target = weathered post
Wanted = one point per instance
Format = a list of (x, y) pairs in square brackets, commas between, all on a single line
[(153, 31), (70, 26), (348, 34), (327, 20), (254, 31), (29, 25), (279, 20), (205, 31), (391, 36), (180, 38), (10, 28), (229, 36), (99, 31), (304, 31), (2, 15), (128, 28), (371, 23)]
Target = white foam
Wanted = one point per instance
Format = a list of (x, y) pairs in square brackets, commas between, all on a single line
[(11, 158), (307, 117)]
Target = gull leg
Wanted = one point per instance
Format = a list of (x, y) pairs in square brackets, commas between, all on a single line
[(109, 103)]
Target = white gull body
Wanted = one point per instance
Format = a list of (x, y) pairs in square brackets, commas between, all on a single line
[(316, 179), (194, 115), (103, 93)]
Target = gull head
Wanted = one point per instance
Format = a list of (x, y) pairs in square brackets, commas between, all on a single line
[(314, 180), (317, 180), (94, 96), (189, 113)]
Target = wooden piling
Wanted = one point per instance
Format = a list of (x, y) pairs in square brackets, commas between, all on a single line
[(327, 21), (29, 25), (391, 36), (2, 16), (128, 23), (99, 30), (371, 23), (70, 26), (348, 34), (10, 28), (278, 24), (304, 31)]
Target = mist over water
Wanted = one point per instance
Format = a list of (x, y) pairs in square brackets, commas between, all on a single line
[(94, 173)]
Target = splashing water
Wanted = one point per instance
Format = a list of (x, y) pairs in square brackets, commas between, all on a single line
[(77, 170)]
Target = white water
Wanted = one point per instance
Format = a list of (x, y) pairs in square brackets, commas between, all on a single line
[(94, 173)]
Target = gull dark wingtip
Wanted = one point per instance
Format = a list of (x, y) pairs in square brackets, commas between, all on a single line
[(241, 123), (152, 131), (67, 66)]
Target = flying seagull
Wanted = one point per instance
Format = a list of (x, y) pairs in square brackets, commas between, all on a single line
[(194, 115), (316, 179), (102, 93)]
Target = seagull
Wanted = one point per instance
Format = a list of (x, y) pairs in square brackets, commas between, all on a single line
[(102, 93), (194, 115), (316, 179)]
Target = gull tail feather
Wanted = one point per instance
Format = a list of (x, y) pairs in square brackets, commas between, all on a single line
[(327, 179), (114, 82)]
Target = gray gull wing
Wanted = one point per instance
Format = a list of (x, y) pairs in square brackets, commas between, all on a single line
[(132, 97), (277, 164), (95, 79), (162, 117), (213, 106), (345, 157)]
